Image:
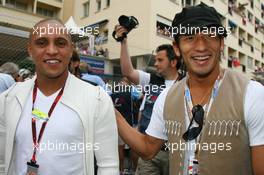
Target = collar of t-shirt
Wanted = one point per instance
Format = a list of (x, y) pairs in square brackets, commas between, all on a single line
[(169, 83)]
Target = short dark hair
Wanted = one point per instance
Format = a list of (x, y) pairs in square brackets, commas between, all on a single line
[(200, 17), (170, 53), (75, 56)]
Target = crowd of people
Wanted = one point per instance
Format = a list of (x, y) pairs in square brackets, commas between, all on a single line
[(85, 49), (163, 31), (64, 120), (10, 73)]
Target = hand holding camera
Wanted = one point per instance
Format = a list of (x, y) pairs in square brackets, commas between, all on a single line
[(120, 32), (127, 23)]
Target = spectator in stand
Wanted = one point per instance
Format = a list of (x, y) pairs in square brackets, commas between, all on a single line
[(93, 79), (10, 69), (74, 64), (100, 52), (106, 53), (24, 74)]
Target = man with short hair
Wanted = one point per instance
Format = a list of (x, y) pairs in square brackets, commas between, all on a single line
[(56, 123), (10, 68), (213, 119), (167, 65), (74, 64)]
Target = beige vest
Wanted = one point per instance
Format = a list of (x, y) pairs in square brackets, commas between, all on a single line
[(224, 128)]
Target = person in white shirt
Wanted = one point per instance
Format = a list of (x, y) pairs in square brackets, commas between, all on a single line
[(56, 123), (201, 52), (167, 65)]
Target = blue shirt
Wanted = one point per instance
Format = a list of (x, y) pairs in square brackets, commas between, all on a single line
[(5, 82), (97, 80), (136, 95), (94, 78)]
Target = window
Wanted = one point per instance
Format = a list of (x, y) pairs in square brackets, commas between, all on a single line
[(11, 2), (188, 2), (250, 63), (21, 5), (240, 41), (98, 5), (229, 63), (107, 3), (252, 4), (45, 12), (250, 17), (251, 48), (163, 27), (232, 26), (174, 1), (117, 70), (86, 7), (16, 4), (243, 68)]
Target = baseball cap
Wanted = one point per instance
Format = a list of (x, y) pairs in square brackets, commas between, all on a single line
[(199, 16)]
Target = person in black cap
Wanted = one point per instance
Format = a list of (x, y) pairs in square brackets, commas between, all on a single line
[(213, 119), (198, 19)]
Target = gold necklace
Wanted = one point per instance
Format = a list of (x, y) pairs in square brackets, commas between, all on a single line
[(206, 95)]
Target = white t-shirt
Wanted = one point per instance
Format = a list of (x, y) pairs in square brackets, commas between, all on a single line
[(61, 150), (144, 79), (253, 109)]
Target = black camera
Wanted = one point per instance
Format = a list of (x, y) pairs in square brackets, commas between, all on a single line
[(129, 22)]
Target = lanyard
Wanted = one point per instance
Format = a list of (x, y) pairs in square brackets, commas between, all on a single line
[(214, 93), (33, 120)]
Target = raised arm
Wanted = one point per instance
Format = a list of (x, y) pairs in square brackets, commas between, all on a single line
[(125, 60)]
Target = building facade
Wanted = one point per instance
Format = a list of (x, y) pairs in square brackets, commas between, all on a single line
[(244, 47), (17, 17)]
